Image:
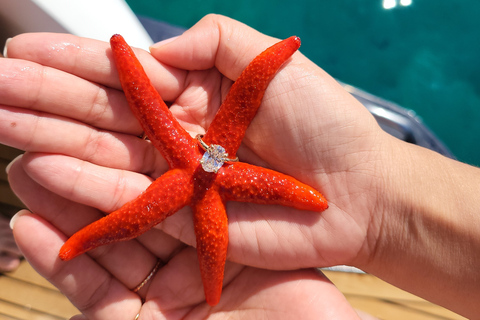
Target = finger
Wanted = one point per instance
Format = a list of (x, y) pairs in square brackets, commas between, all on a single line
[(38, 132), (178, 285), (175, 287), (89, 59), (64, 52), (128, 261), (215, 41), (89, 286), (30, 85), (286, 293), (100, 187), (60, 212)]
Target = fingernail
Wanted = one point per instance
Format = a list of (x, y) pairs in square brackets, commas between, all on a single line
[(7, 169), (163, 42), (5, 48), (18, 215)]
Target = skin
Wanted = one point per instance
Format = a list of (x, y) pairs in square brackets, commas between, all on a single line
[(403, 213)]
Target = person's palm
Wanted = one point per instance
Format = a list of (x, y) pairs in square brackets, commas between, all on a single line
[(307, 127)]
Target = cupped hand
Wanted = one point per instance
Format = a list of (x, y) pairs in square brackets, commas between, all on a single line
[(100, 285), (61, 102)]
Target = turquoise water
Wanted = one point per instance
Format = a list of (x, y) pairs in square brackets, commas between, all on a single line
[(423, 55)]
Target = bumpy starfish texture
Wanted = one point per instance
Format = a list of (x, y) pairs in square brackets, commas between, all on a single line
[(187, 182)]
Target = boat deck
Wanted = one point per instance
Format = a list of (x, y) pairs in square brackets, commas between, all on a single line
[(24, 294)]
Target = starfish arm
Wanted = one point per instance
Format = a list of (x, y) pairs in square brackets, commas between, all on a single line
[(247, 183), (160, 126), (245, 96), (211, 230), (163, 197)]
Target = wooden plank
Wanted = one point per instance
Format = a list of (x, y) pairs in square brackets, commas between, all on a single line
[(38, 299), (434, 310), (6, 317), (367, 285), (388, 310), (33, 295), (26, 273), (11, 311)]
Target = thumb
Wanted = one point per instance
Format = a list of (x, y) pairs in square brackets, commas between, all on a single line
[(215, 41)]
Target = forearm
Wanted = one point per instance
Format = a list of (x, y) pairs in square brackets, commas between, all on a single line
[(429, 240)]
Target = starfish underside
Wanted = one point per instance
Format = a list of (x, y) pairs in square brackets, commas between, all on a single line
[(187, 182)]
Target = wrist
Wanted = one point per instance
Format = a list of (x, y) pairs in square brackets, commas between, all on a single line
[(427, 236)]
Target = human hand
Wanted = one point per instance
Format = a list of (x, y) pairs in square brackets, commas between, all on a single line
[(329, 157), (95, 144), (100, 285)]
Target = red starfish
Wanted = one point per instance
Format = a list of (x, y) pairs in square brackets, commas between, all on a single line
[(187, 182)]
